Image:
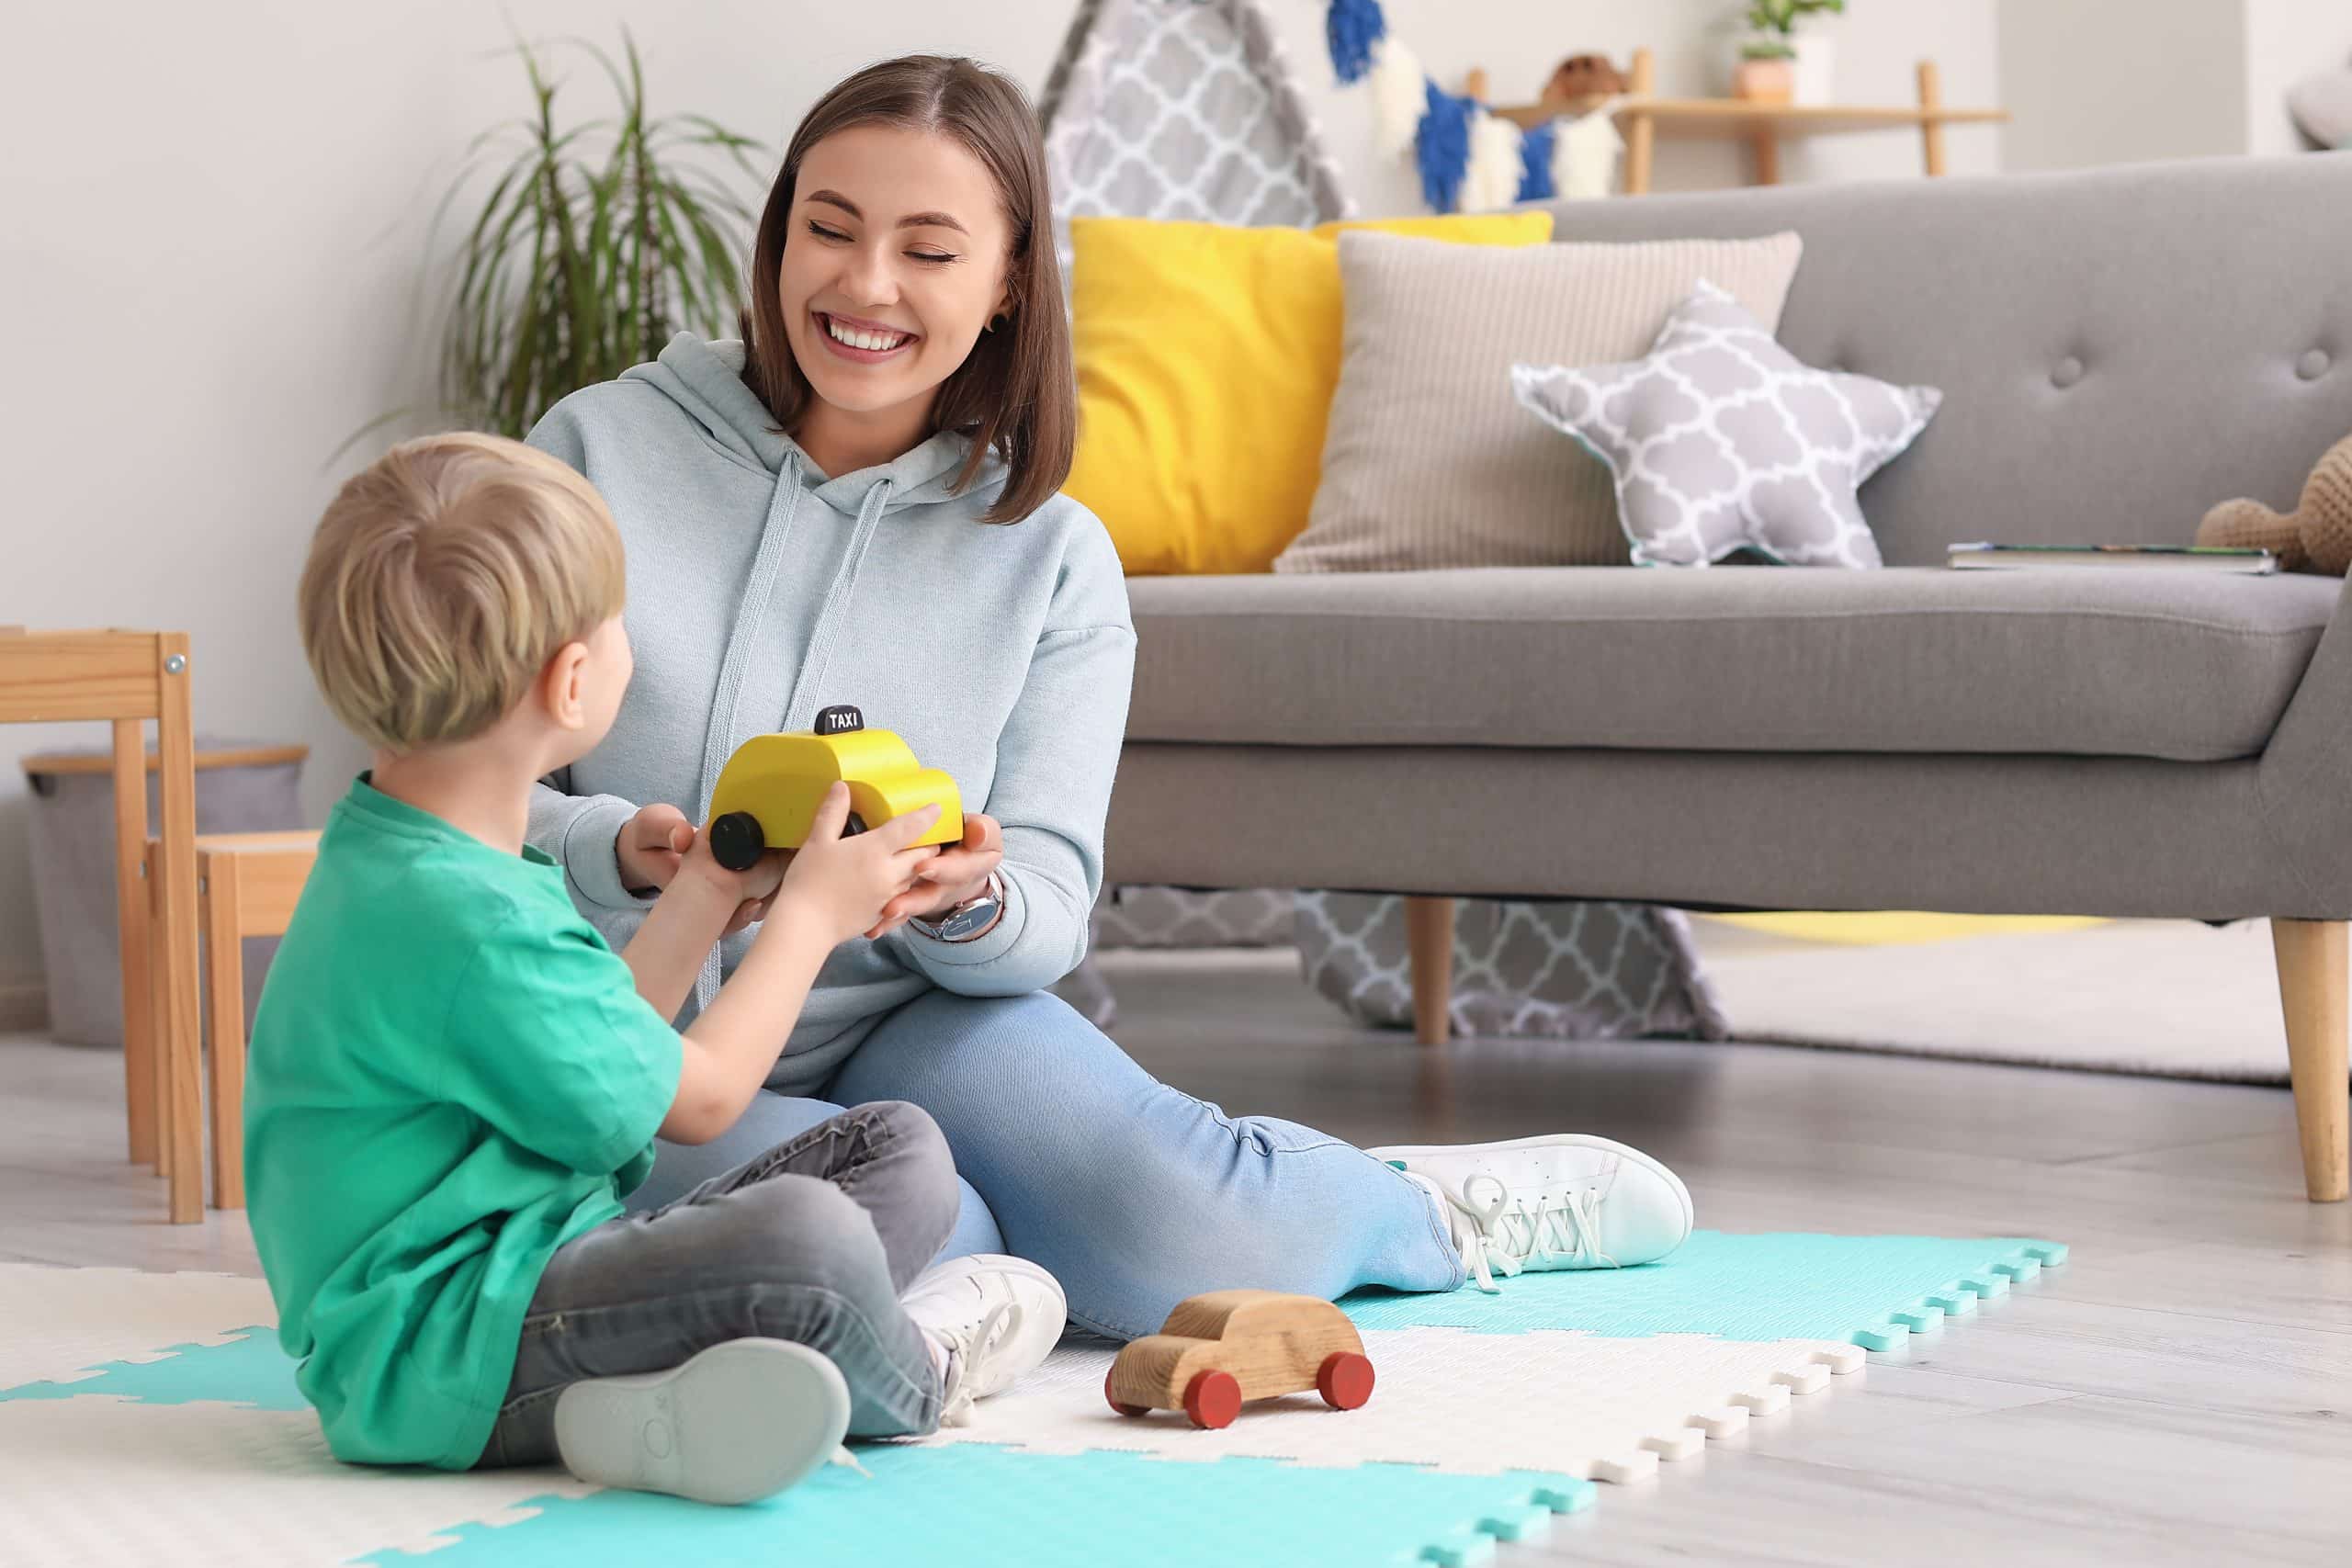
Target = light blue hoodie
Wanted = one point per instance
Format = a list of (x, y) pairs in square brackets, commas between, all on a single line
[(759, 591)]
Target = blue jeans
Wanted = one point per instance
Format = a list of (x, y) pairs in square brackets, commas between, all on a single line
[(1135, 1195)]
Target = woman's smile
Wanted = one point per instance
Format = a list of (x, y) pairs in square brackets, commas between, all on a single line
[(860, 339)]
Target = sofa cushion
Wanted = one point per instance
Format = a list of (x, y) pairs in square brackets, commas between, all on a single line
[(1720, 440), (1428, 463), (2093, 661)]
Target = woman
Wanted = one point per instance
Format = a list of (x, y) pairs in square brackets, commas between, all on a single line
[(857, 503)]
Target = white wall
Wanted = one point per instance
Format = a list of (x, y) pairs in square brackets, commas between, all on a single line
[(215, 216), (2184, 79), (2287, 40), (2095, 82)]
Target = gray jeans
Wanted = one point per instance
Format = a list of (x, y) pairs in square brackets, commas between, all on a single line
[(813, 1242)]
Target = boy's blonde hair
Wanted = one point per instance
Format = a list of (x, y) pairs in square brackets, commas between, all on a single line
[(444, 576)]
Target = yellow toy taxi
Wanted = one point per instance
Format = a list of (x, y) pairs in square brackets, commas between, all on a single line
[(770, 787)]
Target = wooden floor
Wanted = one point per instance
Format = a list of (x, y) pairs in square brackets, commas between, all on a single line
[(2181, 1393)]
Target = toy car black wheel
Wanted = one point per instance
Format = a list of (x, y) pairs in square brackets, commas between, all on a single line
[(853, 826), (736, 841)]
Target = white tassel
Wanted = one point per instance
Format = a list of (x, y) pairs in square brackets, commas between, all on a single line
[(1584, 155), (1491, 181), (1399, 98)]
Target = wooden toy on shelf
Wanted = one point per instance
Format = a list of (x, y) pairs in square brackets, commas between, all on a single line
[(1221, 1349)]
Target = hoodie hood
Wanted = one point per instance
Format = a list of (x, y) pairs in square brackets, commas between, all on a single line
[(706, 381)]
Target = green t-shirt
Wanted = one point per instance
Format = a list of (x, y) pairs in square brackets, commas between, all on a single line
[(451, 1076)]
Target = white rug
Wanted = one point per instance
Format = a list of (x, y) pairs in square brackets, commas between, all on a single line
[(2168, 998)]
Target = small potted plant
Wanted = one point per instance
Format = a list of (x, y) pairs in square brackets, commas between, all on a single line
[(1778, 66)]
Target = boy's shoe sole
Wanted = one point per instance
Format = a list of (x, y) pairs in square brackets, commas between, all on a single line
[(733, 1424)]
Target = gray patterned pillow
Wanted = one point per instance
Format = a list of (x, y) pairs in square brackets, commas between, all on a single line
[(1719, 438)]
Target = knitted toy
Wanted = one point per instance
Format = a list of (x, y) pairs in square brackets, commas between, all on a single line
[(2316, 536)]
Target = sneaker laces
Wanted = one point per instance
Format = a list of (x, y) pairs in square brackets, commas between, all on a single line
[(1511, 1233), (968, 1350)]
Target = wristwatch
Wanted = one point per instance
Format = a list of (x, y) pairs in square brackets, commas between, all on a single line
[(968, 918)]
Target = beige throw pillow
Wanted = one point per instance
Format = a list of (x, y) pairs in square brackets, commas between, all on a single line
[(1429, 461)]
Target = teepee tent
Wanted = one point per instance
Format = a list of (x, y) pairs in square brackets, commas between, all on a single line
[(1182, 109)]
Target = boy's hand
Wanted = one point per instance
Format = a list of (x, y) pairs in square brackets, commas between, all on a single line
[(651, 845), (752, 890), (844, 884)]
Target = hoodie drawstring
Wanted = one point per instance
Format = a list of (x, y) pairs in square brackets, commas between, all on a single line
[(750, 612), (809, 690)]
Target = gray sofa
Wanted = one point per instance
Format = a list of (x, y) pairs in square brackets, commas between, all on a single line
[(2119, 350)]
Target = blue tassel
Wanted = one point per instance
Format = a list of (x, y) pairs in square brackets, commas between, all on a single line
[(1441, 148), (1535, 162), (1353, 27)]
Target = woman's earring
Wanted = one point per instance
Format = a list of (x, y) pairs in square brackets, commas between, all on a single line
[(996, 321)]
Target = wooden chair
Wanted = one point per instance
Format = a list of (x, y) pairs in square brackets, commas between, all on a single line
[(246, 884), (129, 677)]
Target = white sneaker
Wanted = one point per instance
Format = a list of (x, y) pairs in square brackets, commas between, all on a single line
[(996, 1317), (1563, 1200), (736, 1423)]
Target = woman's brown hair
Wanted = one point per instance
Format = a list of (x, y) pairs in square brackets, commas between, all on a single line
[(1013, 392)]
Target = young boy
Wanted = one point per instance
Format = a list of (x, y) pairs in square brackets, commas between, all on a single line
[(452, 1079)]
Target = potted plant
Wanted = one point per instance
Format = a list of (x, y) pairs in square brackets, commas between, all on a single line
[(598, 240), (1777, 64)]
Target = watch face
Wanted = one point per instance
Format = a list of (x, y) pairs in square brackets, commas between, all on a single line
[(965, 921)]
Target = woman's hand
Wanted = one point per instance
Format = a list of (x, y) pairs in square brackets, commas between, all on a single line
[(651, 845), (847, 883), (948, 878)]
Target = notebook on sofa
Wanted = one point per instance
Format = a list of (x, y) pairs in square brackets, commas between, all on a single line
[(2166, 557)]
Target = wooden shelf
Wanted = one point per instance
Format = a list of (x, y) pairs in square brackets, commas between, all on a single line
[(1763, 126), (1738, 118)]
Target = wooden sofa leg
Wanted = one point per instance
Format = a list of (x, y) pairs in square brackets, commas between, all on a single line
[(2311, 988), (1429, 935)]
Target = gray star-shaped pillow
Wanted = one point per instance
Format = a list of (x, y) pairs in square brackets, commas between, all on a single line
[(1720, 438)]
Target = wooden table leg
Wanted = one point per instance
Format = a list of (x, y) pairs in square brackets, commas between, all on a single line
[(175, 939), (224, 1010), (132, 925), (1931, 98), (1768, 156)]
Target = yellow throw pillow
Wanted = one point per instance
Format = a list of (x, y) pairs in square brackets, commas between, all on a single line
[(1206, 359)]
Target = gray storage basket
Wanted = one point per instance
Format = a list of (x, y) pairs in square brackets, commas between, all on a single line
[(72, 816)]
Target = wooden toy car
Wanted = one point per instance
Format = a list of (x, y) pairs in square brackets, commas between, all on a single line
[(770, 788), (1218, 1351)]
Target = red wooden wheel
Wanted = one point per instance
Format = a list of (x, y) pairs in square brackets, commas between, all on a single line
[(1121, 1409), (1212, 1399), (1344, 1379)]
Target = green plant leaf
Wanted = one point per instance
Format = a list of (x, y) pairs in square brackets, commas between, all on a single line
[(591, 242)]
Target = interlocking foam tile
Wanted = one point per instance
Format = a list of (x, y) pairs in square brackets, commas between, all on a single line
[(1584, 1405), (93, 1482), (1870, 1291), (1490, 1413), (59, 1323), (250, 1370), (980, 1504)]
